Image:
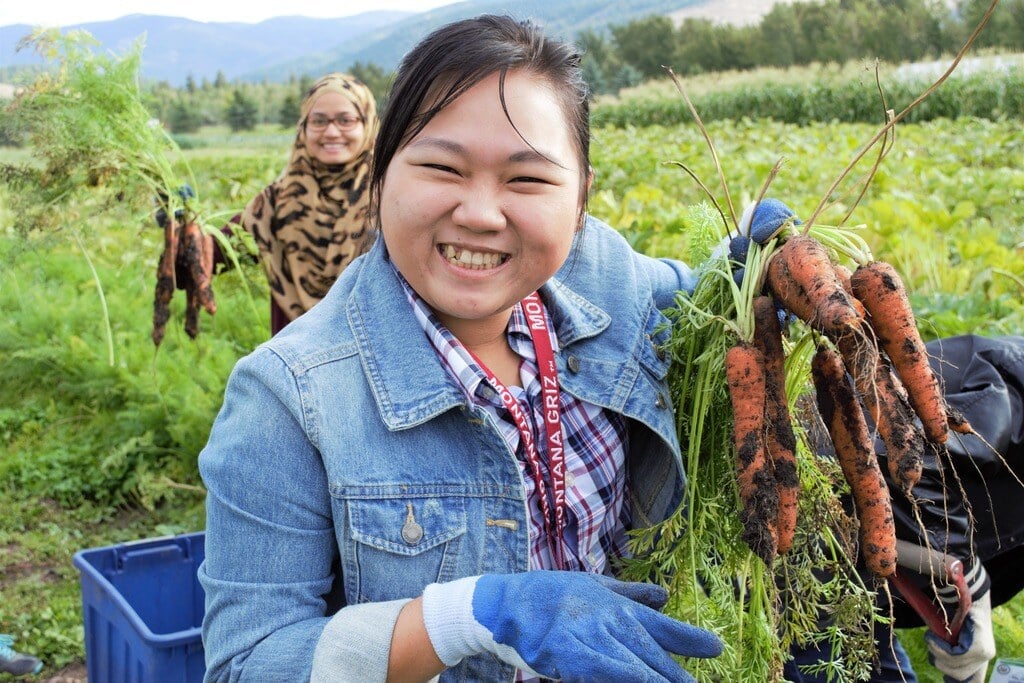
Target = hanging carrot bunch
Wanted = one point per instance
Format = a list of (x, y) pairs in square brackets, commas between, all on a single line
[(186, 263)]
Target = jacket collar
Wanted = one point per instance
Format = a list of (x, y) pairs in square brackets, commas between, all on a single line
[(408, 381)]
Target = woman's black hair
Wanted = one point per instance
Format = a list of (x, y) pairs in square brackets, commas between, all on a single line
[(457, 56)]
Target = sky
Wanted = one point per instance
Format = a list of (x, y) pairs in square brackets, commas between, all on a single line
[(70, 12)]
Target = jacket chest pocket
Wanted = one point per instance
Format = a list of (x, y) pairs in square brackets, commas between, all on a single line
[(400, 544)]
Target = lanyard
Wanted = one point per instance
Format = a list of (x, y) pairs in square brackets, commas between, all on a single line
[(554, 524)]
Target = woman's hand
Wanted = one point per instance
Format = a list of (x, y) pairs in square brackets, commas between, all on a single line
[(572, 626)]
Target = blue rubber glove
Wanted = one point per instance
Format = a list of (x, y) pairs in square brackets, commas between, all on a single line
[(185, 192), (573, 626), (766, 221)]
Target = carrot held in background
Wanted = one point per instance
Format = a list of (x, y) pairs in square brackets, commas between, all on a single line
[(198, 256), (165, 281)]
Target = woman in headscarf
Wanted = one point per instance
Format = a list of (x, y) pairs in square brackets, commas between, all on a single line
[(312, 221)]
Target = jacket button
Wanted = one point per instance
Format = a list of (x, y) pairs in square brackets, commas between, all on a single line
[(661, 402), (412, 532), (659, 351), (574, 364)]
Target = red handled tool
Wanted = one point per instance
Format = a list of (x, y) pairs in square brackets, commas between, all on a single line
[(948, 570)]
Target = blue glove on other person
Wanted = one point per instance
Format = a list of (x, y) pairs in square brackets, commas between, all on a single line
[(186, 193), (572, 626)]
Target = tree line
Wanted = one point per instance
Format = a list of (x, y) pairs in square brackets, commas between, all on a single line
[(802, 33)]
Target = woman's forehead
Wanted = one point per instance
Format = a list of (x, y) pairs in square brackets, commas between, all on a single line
[(447, 91), (333, 101)]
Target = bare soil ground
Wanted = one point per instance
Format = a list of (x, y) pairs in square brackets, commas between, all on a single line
[(75, 673)]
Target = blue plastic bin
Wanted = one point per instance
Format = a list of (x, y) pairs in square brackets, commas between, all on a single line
[(143, 609)]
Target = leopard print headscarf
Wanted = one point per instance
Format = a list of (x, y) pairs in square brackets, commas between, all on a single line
[(312, 221)]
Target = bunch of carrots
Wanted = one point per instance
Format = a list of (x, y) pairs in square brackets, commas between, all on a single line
[(870, 362), (186, 263), (798, 351), (764, 578)]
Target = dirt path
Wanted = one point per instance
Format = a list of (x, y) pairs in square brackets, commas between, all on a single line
[(75, 673)]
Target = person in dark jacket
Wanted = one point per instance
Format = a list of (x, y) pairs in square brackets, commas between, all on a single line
[(970, 496), (968, 508)]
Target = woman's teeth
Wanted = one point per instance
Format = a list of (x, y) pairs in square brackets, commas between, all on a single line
[(474, 260)]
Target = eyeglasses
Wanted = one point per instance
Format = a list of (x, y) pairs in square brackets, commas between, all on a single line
[(344, 122)]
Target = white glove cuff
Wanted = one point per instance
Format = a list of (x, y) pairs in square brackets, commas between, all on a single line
[(977, 582), (448, 618)]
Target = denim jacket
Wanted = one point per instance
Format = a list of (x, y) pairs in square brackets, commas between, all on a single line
[(346, 470)]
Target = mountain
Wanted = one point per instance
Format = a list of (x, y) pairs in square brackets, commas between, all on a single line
[(175, 47), (386, 45), (279, 48)]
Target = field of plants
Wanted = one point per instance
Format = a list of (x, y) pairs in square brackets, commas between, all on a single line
[(99, 431)]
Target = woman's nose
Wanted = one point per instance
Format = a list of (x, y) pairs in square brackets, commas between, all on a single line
[(480, 209)]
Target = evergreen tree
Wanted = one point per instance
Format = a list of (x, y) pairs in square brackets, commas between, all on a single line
[(290, 110), (241, 112), (646, 44), (373, 77), (183, 117)]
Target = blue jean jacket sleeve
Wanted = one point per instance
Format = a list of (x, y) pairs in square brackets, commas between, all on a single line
[(666, 276), (265, 619)]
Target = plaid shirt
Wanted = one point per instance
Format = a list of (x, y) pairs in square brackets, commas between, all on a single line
[(595, 446)]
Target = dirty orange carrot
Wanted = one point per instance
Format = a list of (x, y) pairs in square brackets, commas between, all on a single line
[(744, 370), (779, 440), (192, 308), (803, 280), (844, 418), (844, 274), (165, 282), (886, 401), (193, 247), (880, 289)]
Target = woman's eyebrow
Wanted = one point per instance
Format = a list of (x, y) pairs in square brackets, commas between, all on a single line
[(443, 144), (453, 147), (531, 155)]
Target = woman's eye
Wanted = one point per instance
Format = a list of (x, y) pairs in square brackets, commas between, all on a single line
[(441, 167), (529, 179)]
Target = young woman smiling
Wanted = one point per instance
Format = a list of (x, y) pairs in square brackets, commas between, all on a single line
[(434, 470), (312, 221)]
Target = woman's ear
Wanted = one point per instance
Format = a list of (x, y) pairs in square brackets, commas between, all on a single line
[(590, 178)]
